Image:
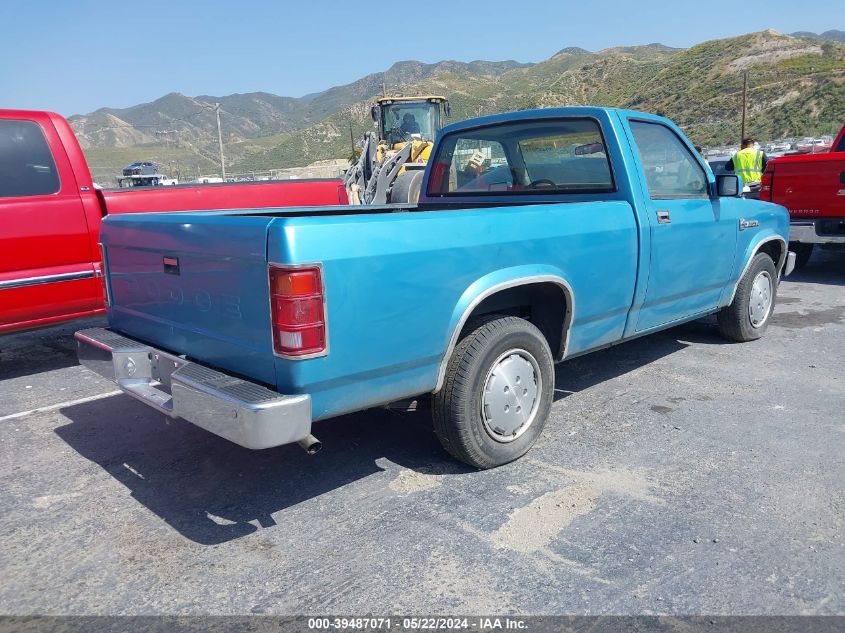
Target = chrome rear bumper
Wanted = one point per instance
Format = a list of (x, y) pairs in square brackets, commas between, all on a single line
[(240, 411), (805, 231)]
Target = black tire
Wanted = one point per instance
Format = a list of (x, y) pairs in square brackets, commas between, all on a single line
[(802, 253), (459, 421), (737, 321), (406, 187)]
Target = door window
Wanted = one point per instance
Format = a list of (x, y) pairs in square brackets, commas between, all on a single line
[(27, 167), (670, 169)]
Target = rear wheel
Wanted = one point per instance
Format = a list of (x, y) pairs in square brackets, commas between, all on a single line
[(747, 317), (497, 392), (802, 253)]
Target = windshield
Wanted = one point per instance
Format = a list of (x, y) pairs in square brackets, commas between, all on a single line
[(408, 120)]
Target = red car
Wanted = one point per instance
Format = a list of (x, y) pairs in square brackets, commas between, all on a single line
[(51, 214)]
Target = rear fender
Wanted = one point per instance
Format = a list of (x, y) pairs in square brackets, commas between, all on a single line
[(497, 281)]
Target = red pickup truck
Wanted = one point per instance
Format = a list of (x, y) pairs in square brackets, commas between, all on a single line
[(812, 187), (51, 213)]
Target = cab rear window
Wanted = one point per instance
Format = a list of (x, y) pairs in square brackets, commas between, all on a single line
[(539, 157), (27, 167)]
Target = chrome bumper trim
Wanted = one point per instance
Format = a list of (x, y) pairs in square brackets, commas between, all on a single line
[(243, 412), (805, 231)]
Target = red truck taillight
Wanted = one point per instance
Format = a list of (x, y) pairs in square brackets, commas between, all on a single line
[(297, 303), (439, 173), (766, 183)]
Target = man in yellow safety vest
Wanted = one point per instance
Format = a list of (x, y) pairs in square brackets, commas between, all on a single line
[(749, 162)]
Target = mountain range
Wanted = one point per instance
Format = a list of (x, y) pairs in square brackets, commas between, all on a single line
[(836, 36), (796, 86)]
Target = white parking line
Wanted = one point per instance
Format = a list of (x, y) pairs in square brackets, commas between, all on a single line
[(53, 407)]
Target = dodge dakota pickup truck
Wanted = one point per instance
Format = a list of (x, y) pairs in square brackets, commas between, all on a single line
[(51, 214), (539, 235), (812, 187)]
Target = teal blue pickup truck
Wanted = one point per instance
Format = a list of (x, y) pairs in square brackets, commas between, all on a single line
[(538, 236)]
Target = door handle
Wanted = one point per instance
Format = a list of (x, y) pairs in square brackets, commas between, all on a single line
[(663, 216)]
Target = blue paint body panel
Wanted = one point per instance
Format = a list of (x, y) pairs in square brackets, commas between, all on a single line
[(399, 279)]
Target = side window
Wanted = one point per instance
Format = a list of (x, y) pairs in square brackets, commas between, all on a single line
[(27, 167), (550, 156), (670, 169)]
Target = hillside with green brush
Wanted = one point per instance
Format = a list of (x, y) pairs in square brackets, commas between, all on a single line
[(796, 87)]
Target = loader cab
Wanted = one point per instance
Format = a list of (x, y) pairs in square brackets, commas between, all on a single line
[(400, 119)]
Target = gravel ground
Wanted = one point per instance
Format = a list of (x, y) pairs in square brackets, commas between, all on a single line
[(677, 474)]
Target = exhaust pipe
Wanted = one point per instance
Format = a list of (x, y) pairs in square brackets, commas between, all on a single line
[(310, 444)]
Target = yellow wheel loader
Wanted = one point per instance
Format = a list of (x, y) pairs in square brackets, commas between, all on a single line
[(392, 162)]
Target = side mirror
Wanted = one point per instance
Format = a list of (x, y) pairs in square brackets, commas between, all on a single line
[(374, 112), (447, 109), (727, 185)]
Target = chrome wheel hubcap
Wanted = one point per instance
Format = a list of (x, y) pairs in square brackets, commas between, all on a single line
[(511, 395), (760, 302)]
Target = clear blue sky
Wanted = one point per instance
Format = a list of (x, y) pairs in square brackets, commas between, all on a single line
[(74, 56)]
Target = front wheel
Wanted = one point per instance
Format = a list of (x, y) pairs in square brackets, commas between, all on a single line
[(497, 392), (747, 317)]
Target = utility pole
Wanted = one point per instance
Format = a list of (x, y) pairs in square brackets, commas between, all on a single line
[(744, 105), (220, 139)]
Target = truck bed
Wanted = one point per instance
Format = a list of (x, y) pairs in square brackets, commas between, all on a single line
[(249, 195)]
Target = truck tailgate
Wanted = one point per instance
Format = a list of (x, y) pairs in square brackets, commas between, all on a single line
[(195, 285), (810, 187)]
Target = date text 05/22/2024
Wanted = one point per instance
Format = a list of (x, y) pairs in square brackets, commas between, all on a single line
[(417, 623)]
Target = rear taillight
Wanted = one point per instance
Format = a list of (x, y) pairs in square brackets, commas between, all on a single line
[(766, 183), (298, 308)]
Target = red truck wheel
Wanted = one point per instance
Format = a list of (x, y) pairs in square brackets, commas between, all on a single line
[(497, 392), (802, 253)]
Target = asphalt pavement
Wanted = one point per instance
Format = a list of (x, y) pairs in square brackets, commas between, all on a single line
[(677, 474)]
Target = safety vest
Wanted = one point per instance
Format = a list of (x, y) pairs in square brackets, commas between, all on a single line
[(748, 163)]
